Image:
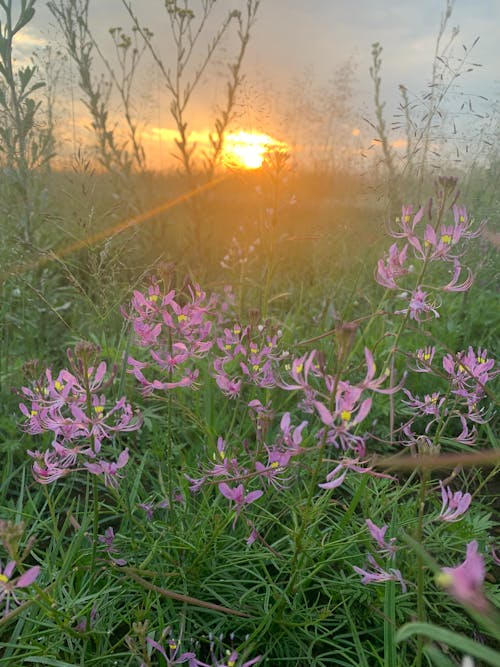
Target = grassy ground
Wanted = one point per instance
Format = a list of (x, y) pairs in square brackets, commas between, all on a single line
[(144, 555)]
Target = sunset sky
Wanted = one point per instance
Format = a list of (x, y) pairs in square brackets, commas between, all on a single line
[(307, 40)]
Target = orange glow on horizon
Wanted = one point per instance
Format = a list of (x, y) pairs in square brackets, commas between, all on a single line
[(247, 150)]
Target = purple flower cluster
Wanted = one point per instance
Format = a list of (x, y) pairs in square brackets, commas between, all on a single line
[(269, 464), (340, 405), (467, 374), (175, 334), (247, 355), (430, 244), (172, 655), (73, 407), (387, 548)]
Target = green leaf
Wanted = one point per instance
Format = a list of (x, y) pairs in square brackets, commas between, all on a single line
[(438, 658), (50, 662), (363, 662), (463, 644), (390, 624)]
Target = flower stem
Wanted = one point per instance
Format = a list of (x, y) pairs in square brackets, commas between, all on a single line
[(420, 563)]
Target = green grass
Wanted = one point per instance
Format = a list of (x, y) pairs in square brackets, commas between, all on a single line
[(292, 597)]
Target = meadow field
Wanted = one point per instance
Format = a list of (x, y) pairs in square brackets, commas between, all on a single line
[(249, 403)]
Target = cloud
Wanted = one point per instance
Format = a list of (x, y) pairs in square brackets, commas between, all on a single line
[(24, 44)]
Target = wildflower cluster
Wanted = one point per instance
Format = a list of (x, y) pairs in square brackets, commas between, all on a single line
[(237, 254), (73, 407), (425, 246), (171, 652), (466, 375), (385, 548), (340, 405), (247, 355), (268, 464), (184, 338), (175, 329)]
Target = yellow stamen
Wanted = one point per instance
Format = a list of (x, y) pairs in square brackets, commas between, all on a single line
[(181, 317), (346, 415), (34, 412), (153, 298), (99, 409), (255, 367), (446, 238), (3, 579), (58, 385), (444, 579), (299, 368), (275, 464)]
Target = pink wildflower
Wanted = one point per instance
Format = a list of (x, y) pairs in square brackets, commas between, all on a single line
[(431, 405), (48, 467), (238, 496), (292, 435), (419, 308), (231, 661), (465, 582), (378, 534), (349, 412), (423, 358), (277, 463), (407, 226), (301, 367), (108, 540), (8, 586), (453, 285), (175, 336), (379, 575), (462, 224), (392, 268), (454, 504), (109, 471), (230, 387), (338, 474), (173, 657)]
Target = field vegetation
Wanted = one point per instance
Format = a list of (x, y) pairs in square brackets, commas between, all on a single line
[(248, 416)]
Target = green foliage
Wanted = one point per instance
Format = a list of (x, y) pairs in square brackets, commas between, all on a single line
[(300, 250)]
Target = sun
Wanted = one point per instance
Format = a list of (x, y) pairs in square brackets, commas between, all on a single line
[(247, 150)]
